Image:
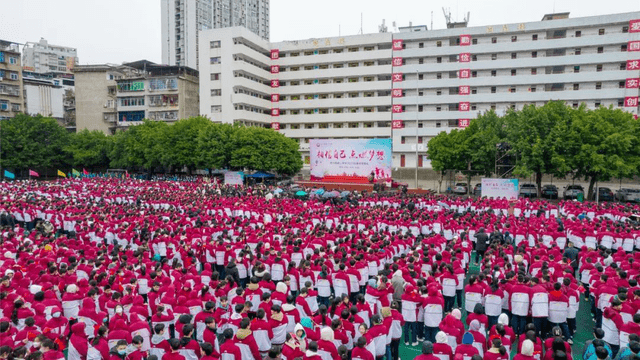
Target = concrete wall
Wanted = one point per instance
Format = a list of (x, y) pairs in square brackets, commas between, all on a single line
[(91, 97)]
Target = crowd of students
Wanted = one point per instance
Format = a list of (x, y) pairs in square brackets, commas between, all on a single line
[(144, 270)]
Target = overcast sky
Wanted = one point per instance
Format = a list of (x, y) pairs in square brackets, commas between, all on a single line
[(115, 31)]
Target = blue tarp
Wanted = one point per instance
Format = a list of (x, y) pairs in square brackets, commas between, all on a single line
[(261, 175)]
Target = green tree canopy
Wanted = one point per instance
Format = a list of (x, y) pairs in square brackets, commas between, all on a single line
[(89, 149)]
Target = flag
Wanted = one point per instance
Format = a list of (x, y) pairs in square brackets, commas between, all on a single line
[(33, 173), (60, 173), (75, 172), (9, 175), (85, 172)]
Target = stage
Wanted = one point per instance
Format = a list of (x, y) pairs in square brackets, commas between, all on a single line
[(329, 186)]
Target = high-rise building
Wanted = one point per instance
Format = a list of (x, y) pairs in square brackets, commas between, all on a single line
[(42, 57), (412, 85), (182, 20), (11, 90)]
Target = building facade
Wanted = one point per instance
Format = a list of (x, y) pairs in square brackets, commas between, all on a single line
[(42, 57), (412, 85), (182, 21), (111, 97), (11, 90)]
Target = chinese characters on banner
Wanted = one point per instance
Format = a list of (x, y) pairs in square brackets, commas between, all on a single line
[(275, 112), (633, 46), (465, 40), (464, 90), (631, 101), (464, 73), (397, 61), (397, 124), (355, 158), (275, 125), (396, 93), (464, 57), (463, 123), (275, 54), (397, 45), (632, 83), (275, 83), (464, 106), (396, 77), (397, 109), (275, 69), (633, 64), (275, 98), (634, 26)]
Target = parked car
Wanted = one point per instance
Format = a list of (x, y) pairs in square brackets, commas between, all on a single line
[(477, 190), (605, 194), (528, 190), (549, 191), (461, 189), (628, 195), (573, 191)]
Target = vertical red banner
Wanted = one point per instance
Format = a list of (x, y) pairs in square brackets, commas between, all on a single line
[(396, 93), (396, 77), (397, 61), (631, 101), (275, 54), (397, 44), (465, 40), (275, 69), (464, 73), (275, 97), (275, 83), (396, 109), (275, 125), (464, 106), (397, 124), (463, 123), (634, 26), (464, 90), (464, 57)]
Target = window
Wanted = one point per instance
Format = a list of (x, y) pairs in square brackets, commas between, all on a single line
[(438, 108), (534, 71), (575, 105), (514, 55), (601, 32), (439, 92), (625, 29), (598, 86), (13, 60), (439, 43), (597, 104), (438, 60), (132, 101), (13, 76), (215, 76), (215, 60), (337, 125), (216, 92), (474, 41), (578, 51), (493, 72), (420, 45), (623, 47), (576, 86), (621, 85), (215, 44), (493, 89), (474, 57), (576, 69), (474, 91), (402, 140), (4, 105), (512, 89), (15, 107), (623, 66), (494, 56), (600, 49), (514, 38), (421, 61), (494, 40), (532, 89), (474, 74), (439, 76), (513, 72), (534, 37), (420, 76), (578, 33), (599, 67), (353, 49)]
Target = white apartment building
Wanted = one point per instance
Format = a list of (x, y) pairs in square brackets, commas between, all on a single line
[(182, 21), (42, 57), (381, 85)]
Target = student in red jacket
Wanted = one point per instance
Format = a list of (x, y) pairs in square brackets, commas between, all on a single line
[(207, 352), (137, 354), (187, 342), (227, 347), (173, 354), (360, 351), (244, 338)]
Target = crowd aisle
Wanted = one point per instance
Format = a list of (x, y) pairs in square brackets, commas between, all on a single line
[(129, 269)]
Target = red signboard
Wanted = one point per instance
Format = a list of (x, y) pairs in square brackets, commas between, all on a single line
[(396, 93), (464, 90), (634, 26), (633, 46), (631, 101), (397, 44), (633, 64), (464, 106), (397, 124), (463, 123), (275, 54), (275, 83), (275, 69), (396, 77), (396, 109), (275, 97), (275, 112), (397, 61), (464, 57), (275, 125), (632, 83), (465, 40), (464, 73)]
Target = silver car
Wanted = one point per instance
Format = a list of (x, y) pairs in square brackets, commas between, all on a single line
[(573, 191), (628, 195), (461, 189), (528, 190)]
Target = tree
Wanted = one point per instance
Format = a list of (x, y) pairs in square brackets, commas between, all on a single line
[(266, 150), (533, 133), (602, 144), (480, 140), (215, 144), (446, 152), (141, 146), (182, 140), (89, 149), (33, 142)]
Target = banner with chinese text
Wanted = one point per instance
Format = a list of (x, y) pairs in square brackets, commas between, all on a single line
[(350, 160)]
